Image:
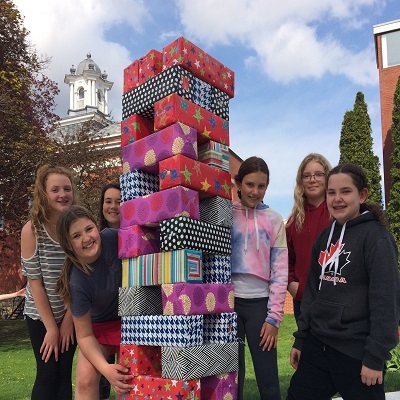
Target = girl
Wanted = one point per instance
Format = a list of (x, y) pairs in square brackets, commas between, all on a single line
[(49, 322), (110, 200), (350, 307), (309, 217), (259, 273), (89, 283)]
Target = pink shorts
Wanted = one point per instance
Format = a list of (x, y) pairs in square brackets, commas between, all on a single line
[(108, 333)]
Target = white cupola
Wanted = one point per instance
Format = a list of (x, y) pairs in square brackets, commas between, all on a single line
[(88, 88)]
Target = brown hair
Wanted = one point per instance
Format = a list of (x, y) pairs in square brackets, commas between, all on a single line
[(113, 185)]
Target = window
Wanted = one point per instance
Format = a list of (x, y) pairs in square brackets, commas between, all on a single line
[(81, 93), (391, 49)]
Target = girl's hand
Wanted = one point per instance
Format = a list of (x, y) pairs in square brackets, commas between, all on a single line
[(67, 333), (117, 375), (292, 288), (371, 376), (269, 336), (294, 357), (50, 344)]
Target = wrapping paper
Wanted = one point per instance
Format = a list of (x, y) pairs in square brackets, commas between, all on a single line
[(137, 183), (131, 76), (146, 153), (155, 387), (174, 108), (197, 298), (188, 233), (220, 328), (199, 361), (155, 269), (181, 170), (216, 210), (149, 65), (135, 127), (151, 209), (216, 268), (140, 300), (140, 360), (220, 387), (214, 154), (177, 80), (136, 240), (162, 330), (183, 52)]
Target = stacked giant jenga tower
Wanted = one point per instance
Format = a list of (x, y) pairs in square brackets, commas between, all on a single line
[(176, 300)]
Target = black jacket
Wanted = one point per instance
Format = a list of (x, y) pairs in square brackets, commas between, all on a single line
[(356, 309)]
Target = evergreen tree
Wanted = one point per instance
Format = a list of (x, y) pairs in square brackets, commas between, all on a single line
[(393, 209), (356, 146)]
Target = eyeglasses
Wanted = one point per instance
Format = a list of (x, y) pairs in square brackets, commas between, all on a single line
[(319, 176)]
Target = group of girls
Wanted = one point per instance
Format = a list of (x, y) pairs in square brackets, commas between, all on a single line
[(335, 257)]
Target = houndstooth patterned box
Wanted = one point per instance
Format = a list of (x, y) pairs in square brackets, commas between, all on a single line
[(220, 328), (140, 300), (216, 268), (162, 330), (137, 183)]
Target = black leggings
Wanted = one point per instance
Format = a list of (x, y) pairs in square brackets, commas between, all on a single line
[(53, 379)]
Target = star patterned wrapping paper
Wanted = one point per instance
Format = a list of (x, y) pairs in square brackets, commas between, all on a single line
[(136, 240), (181, 170), (174, 108), (135, 127), (140, 360)]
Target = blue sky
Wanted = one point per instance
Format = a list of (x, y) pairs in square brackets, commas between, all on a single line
[(298, 64)]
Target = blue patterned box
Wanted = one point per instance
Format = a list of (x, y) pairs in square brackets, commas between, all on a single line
[(216, 268), (137, 183), (220, 328), (199, 361), (162, 330)]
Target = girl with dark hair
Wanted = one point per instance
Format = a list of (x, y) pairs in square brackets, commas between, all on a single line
[(259, 273), (110, 200), (89, 284), (351, 302)]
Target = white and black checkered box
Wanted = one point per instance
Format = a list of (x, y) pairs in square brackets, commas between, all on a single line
[(138, 183), (140, 300), (199, 361), (216, 268), (188, 233)]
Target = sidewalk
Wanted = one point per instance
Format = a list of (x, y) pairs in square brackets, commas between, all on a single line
[(389, 396)]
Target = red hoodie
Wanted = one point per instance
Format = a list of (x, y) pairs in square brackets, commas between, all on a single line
[(300, 243)]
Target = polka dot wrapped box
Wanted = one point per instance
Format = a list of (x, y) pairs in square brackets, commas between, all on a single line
[(197, 298)]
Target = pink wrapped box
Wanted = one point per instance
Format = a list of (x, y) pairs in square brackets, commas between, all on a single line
[(221, 386), (136, 240), (140, 360), (151, 209), (185, 53), (146, 153), (197, 298), (134, 128)]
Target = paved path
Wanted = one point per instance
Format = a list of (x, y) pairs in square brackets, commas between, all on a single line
[(389, 396)]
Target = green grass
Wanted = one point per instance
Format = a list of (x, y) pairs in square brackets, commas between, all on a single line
[(17, 363)]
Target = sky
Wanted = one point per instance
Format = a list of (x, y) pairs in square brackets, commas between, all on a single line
[(298, 64)]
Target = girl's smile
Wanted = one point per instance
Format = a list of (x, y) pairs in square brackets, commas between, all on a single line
[(253, 188)]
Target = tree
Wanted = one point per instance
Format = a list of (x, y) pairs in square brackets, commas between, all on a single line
[(356, 146), (393, 208)]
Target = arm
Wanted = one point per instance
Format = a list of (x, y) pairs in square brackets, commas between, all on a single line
[(293, 282), (50, 341), (7, 296), (89, 346)]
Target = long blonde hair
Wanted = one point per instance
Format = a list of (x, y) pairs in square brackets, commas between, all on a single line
[(40, 209), (298, 212), (66, 219)]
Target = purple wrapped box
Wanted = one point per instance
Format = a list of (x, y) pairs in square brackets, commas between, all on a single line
[(146, 153), (219, 387), (197, 298), (136, 240), (169, 203)]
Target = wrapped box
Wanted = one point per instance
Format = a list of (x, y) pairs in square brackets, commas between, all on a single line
[(155, 269), (149, 65), (174, 108), (152, 209), (140, 300), (197, 298), (216, 210), (131, 76), (156, 388), (199, 361), (220, 328), (137, 183), (216, 268), (214, 154), (162, 330), (183, 52), (140, 360), (146, 153), (135, 127), (177, 80), (181, 170), (136, 240), (188, 233), (219, 387)]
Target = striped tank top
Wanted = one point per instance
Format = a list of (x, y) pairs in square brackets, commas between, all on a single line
[(46, 265)]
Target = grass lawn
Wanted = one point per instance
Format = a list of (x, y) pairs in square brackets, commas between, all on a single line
[(17, 364)]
